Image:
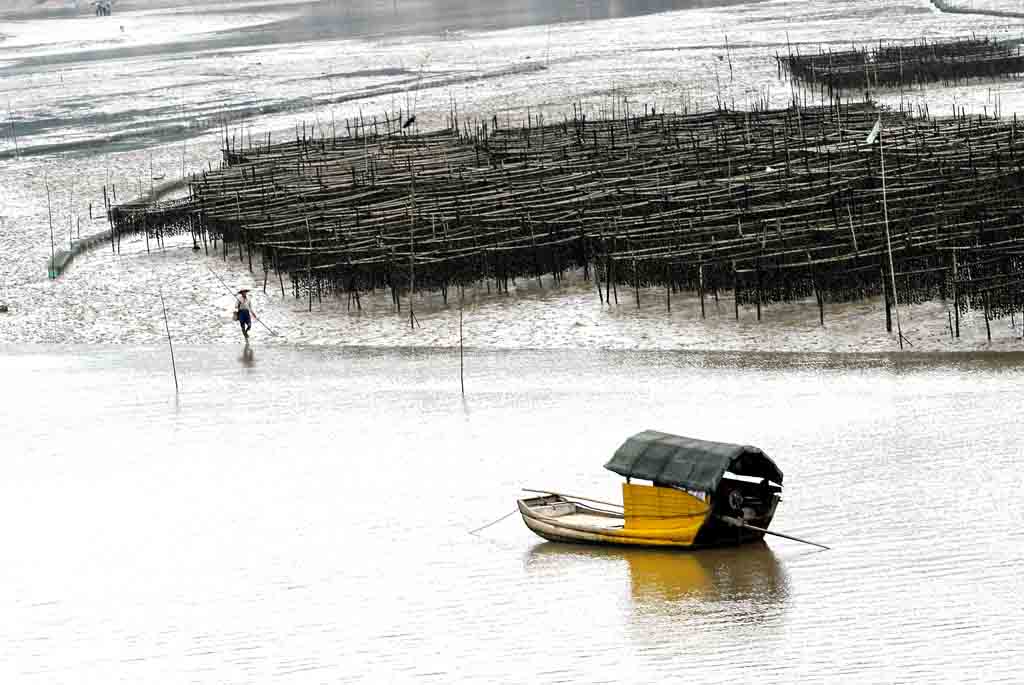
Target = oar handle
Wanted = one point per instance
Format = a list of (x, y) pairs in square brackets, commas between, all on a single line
[(732, 521)]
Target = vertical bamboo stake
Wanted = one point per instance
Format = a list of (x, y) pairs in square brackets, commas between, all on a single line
[(309, 264), (412, 281), (615, 289), (608, 278), (988, 326), (462, 364), (71, 210), (885, 297), (956, 296), (853, 233), (736, 290), (757, 265), (888, 240), (238, 224), (110, 221), (817, 292), (700, 286), (412, 247), (167, 327), (636, 281), (668, 290), (14, 135), (49, 212)]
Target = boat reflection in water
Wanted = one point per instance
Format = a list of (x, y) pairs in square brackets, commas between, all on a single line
[(746, 582), (748, 574)]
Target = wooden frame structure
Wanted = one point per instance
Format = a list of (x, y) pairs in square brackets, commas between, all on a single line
[(774, 205)]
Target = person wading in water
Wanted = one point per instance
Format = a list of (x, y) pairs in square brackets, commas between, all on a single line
[(243, 312)]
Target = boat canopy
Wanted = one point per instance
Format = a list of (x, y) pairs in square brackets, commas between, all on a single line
[(687, 462)]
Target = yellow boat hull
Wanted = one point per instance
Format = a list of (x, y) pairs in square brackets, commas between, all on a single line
[(566, 533), (651, 517), (560, 520)]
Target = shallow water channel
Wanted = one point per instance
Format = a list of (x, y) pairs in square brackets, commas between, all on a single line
[(303, 515)]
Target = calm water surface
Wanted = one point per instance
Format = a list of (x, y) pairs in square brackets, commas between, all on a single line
[(303, 515)]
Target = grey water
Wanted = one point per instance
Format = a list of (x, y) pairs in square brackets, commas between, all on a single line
[(304, 515)]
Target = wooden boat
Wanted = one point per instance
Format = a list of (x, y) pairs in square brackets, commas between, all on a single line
[(700, 494)]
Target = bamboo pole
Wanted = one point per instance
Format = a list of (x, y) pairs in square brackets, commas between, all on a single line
[(888, 239), (462, 363), (732, 521), (309, 263), (956, 295), (14, 134), (170, 346), (49, 212), (562, 494)]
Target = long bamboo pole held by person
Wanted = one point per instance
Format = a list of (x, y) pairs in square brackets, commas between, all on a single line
[(235, 295)]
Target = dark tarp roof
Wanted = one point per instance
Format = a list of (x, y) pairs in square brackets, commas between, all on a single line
[(688, 462)]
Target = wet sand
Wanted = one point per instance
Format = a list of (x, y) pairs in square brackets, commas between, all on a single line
[(95, 309)]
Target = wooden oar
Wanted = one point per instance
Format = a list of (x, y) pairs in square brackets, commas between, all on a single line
[(743, 524), (562, 494)]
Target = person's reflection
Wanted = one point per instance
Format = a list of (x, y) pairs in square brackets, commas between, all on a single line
[(248, 359)]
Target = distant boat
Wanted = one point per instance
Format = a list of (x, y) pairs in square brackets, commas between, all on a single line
[(701, 494)]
